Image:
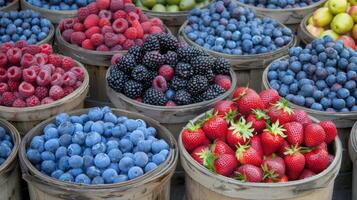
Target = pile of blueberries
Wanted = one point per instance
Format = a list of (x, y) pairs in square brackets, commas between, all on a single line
[(6, 145), (279, 4), (228, 28), (321, 77), (97, 148), (4, 2), (60, 4), (25, 25)]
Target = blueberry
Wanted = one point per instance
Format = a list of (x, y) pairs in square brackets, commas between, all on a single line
[(74, 149), (326, 103), (93, 171), (97, 180), (37, 142), (120, 178), (79, 138), (108, 175), (102, 160), (150, 166), (51, 145), (307, 90), (338, 104), (92, 138), (135, 172), (331, 80), (170, 94), (95, 114), (82, 179), (318, 95), (125, 164), (34, 156), (316, 106), (75, 161), (48, 166), (350, 101), (65, 140), (99, 148), (350, 85), (125, 145), (343, 93), (66, 177), (299, 100), (57, 174), (115, 155)]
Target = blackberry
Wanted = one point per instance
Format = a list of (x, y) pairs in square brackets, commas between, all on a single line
[(151, 43), (186, 53), (210, 76), (182, 97), (197, 99), (153, 60), (197, 84), (139, 73), (136, 52), (117, 79), (168, 42), (212, 92), (127, 63), (201, 64), (178, 83), (147, 83), (184, 70), (132, 89), (221, 66), (171, 58), (154, 97)]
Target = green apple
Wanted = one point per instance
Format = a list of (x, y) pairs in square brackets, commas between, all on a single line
[(326, 4), (310, 21), (148, 3), (162, 2), (322, 17), (315, 31), (187, 4), (342, 23), (159, 8), (337, 6), (173, 2), (330, 33), (172, 8), (353, 2)]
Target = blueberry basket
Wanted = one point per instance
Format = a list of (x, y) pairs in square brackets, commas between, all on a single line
[(14, 5)]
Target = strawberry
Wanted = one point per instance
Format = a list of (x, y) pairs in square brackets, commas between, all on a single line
[(226, 108), (201, 153), (306, 173), (248, 100), (258, 119), (294, 132), (322, 146), (302, 117), (273, 167), (215, 127), (272, 138), (330, 159), (317, 160), (225, 164), (220, 147), (256, 143), (240, 90), (193, 136), (295, 162), (330, 130), (239, 133), (246, 154), (314, 135), (282, 149), (269, 97), (280, 111), (249, 173)]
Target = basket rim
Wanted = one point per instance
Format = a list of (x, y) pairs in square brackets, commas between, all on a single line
[(48, 11), (314, 5), (3, 9), (16, 140)]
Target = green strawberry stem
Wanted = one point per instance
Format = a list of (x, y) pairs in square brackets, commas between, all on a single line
[(283, 104), (192, 126), (242, 94), (269, 173), (240, 150), (260, 114), (208, 159), (276, 129), (243, 128), (230, 115)]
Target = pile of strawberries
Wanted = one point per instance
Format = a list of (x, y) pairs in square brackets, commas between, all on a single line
[(31, 75), (258, 138), (109, 25)]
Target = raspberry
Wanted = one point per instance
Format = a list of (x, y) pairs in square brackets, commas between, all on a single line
[(67, 90), (32, 101), (56, 92), (146, 26), (78, 27), (107, 29), (13, 85), (104, 22), (120, 25), (127, 1), (105, 14), (138, 11), (46, 49), (14, 73), (103, 4), (167, 72), (121, 39), (139, 30), (3, 88), (102, 48), (20, 44), (49, 68), (26, 89), (139, 99), (97, 39), (128, 44), (92, 7), (111, 39), (31, 49), (170, 103), (79, 72), (59, 70), (43, 78), (67, 63), (116, 5), (36, 68), (132, 16), (14, 55), (82, 13), (47, 100), (8, 98), (87, 44), (3, 75), (41, 92), (57, 79), (6, 46), (117, 47), (129, 7), (155, 29), (41, 59), (29, 75), (27, 60), (77, 37), (139, 42), (69, 78), (160, 83), (66, 34), (55, 60), (19, 103), (91, 21), (130, 33), (77, 85), (156, 22), (68, 23), (3, 59), (89, 32), (115, 58), (119, 14)]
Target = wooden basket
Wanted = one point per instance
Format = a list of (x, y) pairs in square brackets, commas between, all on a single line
[(26, 118), (50, 37), (154, 185), (303, 33), (14, 5)]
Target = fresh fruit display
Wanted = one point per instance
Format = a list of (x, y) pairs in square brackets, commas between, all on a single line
[(258, 138), (23, 25), (171, 5), (97, 148), (337, 19), (32, 75), (227, 28), (274, 4), (60, 4), (5, 2), (322, 76), (164, 72), (5, 145), (109, 25)]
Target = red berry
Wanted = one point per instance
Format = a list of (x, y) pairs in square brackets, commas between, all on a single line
[(79, 72), (56, 79), (89, 32), (3, 59), (56, 92), (55, 60), (6, 46), (36, 68), (129, 7), (159, 83), (67, 63), (91, 21), (103, 4), (59, 70), (146, 26), (167, 72), (41, 59), (8, 98), (155, 29), (46, 49), (47, 100), (14, 73), (107, 29), (111, 39), (68, 23), (128, 44), (87, 44), (130, 33), (139, 29), (43, 78), (119, 14), (104, 22), (97, 39), (82, 13), (92, 7), (27, 60), (3, 88), (3, 75), (77, 85), (78, 27), (41, 92), (121, 39), (170, 103), (26, 89), (32, 101), (31, 49), (49, 68), (77, 38), (105, 14), (120, 25), (67, 90), (20, 44), (223, 81), (29, 75), (117, 47), (69, 79), (19, 103), (116, 5), (102, 48), (139, 42), (13, 85), (115, 58), (14, 55)]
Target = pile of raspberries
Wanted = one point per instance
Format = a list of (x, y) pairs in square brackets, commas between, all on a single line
[(109, 25), (32, 75)]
